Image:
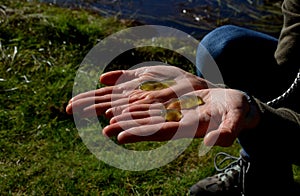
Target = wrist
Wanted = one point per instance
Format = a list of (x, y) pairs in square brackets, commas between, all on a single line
[(252, 118)]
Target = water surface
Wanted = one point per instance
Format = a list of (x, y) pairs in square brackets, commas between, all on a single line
[(195, 17)]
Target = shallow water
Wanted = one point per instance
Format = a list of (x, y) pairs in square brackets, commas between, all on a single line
[(195, 17)]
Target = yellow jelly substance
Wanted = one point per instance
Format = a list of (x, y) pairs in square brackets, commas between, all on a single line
[(185, 102), (156, 85), (172, 111), (172, 115)]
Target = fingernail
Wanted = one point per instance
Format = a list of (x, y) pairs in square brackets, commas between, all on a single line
[(68, 109), (108, 113), (112, 121)]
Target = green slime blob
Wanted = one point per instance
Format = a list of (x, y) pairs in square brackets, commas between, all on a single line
[(172, 115), (185, 102), (156, 85), (173, 109)]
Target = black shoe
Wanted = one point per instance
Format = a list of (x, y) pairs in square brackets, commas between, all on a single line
[(230, 180), (240, 178)]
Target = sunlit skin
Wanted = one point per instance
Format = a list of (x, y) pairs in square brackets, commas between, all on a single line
[(122, 89), (220, 120), (136, 115)]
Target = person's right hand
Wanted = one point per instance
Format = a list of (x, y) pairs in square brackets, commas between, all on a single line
[(122, 89), (223, 116)]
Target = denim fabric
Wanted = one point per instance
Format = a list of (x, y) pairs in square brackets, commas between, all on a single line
[(246, 61)]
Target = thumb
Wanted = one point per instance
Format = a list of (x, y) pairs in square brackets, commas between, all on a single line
[(117, 77), (111, 77), (224, 136)]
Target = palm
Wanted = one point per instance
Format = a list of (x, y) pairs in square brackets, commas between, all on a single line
[(221, 118), (123, 89)]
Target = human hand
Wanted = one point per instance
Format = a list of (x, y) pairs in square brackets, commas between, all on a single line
[(220, 120), (123, 89)]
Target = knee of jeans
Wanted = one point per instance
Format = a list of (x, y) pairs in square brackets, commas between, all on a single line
[(220, 38), (213, 45)]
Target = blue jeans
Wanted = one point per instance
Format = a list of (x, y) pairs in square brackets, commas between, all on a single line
[(245, 59)]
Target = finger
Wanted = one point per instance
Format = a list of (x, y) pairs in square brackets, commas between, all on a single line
[(115, 111), (139, 95), (153, 96), (143, 107), (111, 77), (86, 105), (95, 110), (116, 128), (185, 128), (156, 132), (77, 105), (102, 108), (99, 103), (135, 115), (226, 133), (99, 92), (220, 137), (117, 77)]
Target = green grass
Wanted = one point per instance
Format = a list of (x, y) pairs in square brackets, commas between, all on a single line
[(41, 153)]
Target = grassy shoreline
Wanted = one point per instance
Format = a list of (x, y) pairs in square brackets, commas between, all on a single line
[(41, 153)]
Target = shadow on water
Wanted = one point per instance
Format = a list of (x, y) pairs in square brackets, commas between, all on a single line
[(195, 17)]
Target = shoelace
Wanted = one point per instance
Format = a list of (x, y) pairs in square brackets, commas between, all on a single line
[(235, 161)]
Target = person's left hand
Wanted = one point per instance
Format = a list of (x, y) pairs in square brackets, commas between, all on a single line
[(123, 89), (220, 120)]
